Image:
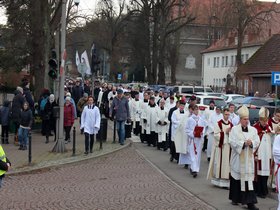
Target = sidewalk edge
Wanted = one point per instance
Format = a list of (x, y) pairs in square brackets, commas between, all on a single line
[(79, 159)]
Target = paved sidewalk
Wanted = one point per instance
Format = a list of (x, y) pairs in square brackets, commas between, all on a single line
[(43, 157)]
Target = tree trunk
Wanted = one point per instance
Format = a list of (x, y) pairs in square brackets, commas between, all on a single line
[(161, 59), (38, 12)]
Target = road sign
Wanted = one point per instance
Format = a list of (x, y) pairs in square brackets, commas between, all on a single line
[(119, 76), (275, 78)]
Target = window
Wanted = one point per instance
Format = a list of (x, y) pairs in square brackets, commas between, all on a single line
[(208, 61), (220, 83), (223, 61), (218, 61), (226, 61), (214, 62), (246, 57), (213, 81), (232, 60), (242, 59)]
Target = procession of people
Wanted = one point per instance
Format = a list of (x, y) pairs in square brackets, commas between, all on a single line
[(241, 156)]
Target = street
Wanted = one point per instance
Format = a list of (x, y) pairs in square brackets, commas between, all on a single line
[(120, 180)]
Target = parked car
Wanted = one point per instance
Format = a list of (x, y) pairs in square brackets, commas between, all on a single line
[(191, 89), (230, 97), (256, 101), (203, 101), (209, 94)]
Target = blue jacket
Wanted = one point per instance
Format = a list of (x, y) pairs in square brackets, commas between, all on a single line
[(5, 114)]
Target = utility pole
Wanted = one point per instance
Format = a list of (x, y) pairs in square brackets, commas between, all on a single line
[(60, 145)]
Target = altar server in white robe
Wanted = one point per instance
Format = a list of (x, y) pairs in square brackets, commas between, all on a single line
[(263, 154), (212, 121), (274, 123), (178, 120), (143, 107), (90, 122), (135, 114), (162, 125), (276, 156), (219, 168), (195, 130), (149, 119), (233, 118), (244, 141), (183, 145)]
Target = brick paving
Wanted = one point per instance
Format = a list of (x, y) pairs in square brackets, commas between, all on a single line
[(120, 180), (42, 155)]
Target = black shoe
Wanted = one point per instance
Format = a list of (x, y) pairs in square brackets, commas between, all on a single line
[(149, 145), (262, 196), (171, 159), (47, 140), (164, 149), (233, 203), (86, 152), (90, 151), (186, 166), (194, 174), (208, 159), (158, 148), (191, 171), (252, 207), (20, 147), (51, 134)]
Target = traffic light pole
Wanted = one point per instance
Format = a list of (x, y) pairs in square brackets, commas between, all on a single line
[(60, 145)]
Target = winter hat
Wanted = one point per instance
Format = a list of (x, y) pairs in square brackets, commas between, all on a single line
[(51, 98), (20, 89), (68, 98), (68, 94)]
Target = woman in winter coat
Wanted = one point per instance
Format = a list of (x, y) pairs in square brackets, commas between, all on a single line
[(26, 119), (68, 118), (48, 116), (5, 114)]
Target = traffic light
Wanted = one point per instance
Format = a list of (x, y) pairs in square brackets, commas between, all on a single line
[(53, 66)]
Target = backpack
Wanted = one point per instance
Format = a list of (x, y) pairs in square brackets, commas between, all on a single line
[(43, 103)]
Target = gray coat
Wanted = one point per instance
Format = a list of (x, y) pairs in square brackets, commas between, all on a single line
[(120, 109)]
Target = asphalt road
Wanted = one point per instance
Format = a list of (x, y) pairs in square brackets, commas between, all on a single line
[(200, 186)]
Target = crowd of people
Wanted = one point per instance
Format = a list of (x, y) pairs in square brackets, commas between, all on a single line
[(241, 156)]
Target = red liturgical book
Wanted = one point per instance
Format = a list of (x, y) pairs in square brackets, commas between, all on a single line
[(198, 131)]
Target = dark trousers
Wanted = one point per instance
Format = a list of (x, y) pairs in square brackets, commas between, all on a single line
[(89, 140), (137, 129), (260, 186), (5, 134), (67, 132), (152, 138), (143, 136), (173, 153)]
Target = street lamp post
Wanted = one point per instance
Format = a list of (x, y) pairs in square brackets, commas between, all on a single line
[(60, 145)]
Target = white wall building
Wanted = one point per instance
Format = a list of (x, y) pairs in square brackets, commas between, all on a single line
[(218, 63)]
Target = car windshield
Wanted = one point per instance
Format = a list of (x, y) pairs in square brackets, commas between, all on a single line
[(259, 102), (240, 101), (217, 101), (235, 97), (187, 90), (198, 89)]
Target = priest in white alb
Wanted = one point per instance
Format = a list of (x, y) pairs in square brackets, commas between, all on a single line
[(276, 156), (263, 154), (178, 120), (214, 117), (162, 125), (219, 168), (195, 129), (244, 141)]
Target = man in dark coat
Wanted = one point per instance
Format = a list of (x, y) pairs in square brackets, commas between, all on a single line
[(77, 92), (17, 105)]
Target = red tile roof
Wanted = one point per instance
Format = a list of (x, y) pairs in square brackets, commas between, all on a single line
[(265, 60)]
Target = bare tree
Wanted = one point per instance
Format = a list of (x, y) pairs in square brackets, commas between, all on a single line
[(243, 16)]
